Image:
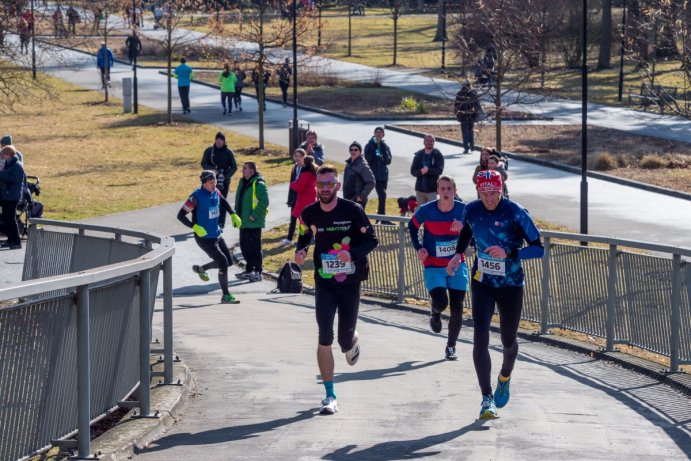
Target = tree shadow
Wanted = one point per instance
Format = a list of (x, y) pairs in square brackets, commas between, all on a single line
[(402, 449), (225, 434)]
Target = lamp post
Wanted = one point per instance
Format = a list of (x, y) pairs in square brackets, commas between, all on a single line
[(621, 54), (295, 76), (135, 95), (33, 42), (584, 124), (319, 27), (443, 37)]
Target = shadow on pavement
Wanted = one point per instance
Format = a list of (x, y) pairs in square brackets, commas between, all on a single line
[(400, 369), (402, 449)]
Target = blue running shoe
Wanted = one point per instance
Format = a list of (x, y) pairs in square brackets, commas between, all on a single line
[(501, 393), (487, 409)]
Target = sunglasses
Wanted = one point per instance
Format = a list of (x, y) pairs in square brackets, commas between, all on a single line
[(327, 184)]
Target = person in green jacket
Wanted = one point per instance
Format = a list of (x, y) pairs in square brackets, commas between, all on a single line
[(227, 79), (252, 204)]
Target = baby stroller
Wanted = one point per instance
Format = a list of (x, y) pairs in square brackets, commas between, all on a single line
[(28, 208)]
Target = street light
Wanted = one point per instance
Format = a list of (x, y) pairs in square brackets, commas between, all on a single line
[(584, 124), (33, 42), (444, 38), (135, 94), (621, 55), (295, 76)]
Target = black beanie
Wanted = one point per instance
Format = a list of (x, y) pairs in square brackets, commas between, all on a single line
[(220, 135)]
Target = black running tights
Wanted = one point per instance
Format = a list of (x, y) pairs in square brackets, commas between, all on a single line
[(217, 250), (439, 303)]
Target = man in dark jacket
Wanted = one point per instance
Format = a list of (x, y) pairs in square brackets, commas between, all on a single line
[(220, 159), (358, 180), (134, 47), (427, 166), (12, 181), (378, 156), (467, 108)]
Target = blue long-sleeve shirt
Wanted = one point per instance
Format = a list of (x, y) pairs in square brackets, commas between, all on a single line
[(104, 58)]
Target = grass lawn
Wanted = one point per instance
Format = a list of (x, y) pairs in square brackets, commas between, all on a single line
[(94, 160)]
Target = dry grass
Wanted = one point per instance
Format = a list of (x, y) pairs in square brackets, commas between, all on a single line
[(94, 160), (641, 158)]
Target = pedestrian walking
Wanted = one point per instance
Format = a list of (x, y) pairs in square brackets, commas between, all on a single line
[(184, 74), (73, 19), (303, 189), (12, 180), (499, 226), (265, 84), (467, 110), (343, 237), (378, 156), (252, 204), (205, 204), (239, 85), (227, 79), (358, 180), (313, 148), (134, 47), (221, 159), (104, 62), (284, 74), (427, 166)]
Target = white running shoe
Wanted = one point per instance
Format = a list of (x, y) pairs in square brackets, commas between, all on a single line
[(353, 354), (329, 406)]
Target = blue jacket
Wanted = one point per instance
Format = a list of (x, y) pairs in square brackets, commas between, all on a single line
[(183, 73), (104, 58), (12, 180)]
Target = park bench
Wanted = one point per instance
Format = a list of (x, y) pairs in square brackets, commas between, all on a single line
[(653, 95)]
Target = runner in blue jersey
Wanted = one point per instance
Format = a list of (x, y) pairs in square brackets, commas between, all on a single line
[(500, 226), (442, 225), (205, 205)]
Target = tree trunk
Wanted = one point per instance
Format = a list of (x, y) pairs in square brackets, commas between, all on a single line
[(350, 27), (260, 96), (497, 98), (439, 35), (603, 60), (169, 51), (395, 36)]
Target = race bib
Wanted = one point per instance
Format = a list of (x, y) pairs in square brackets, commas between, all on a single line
[(331, 265), (444, 249), (492, 266), (214, 212)]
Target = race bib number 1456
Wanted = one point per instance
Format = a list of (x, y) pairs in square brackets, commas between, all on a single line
[(492, 267)]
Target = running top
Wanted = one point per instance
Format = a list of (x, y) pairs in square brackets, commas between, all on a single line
[(346, 227), (438, 238), (205, 207), (507, 226)]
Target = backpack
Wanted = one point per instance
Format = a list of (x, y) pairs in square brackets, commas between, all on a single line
[(290, 279)]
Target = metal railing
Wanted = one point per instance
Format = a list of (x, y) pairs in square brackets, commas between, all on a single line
[(625, 297), (75, 335)]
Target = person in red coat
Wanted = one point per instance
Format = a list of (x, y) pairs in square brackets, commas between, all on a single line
[(303, 189)]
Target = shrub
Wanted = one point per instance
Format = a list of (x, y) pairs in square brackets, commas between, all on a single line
[(652, 162), (410, 104), (605, 162)]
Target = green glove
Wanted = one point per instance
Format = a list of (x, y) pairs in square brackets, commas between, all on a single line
[(237, 221), (199, 230)]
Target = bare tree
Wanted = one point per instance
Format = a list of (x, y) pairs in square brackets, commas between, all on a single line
[(396, 7), (603, 60)]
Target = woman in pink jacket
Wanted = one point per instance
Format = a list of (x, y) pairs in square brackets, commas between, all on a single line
[(303, 188)]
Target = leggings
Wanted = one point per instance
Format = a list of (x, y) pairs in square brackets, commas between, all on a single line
[(330, 298), (509, 301), (439, 303), (217, 250), (291, 228), (237, 97)]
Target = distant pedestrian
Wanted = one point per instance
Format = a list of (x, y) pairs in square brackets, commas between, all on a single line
[(358, 180), (265, 84), (221, 160), (73, 19), (284, 74), (205, 204), (12, 180), (184, 74), (378, 156), (239, 85), (104, 62), (58, 25), (227, 79), (467, 110), (427, 166), (134, 47), (252, 204), (303, 190), (313, 148)]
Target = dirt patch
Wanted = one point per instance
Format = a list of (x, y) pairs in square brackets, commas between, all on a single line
[(615, 152)]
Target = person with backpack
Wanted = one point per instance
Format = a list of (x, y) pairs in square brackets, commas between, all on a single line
[(205, 204)]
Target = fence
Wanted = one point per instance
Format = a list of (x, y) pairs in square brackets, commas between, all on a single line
[(82, 323), (633, 298)]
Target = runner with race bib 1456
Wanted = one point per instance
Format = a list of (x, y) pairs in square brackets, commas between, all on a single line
[(500, 226)]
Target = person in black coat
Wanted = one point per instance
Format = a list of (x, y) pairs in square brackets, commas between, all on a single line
[(134, 47), (427, 166), (378, 156), (12, 180), (220, 159)]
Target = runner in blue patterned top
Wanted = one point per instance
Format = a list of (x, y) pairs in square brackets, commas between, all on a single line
[(442, 225), (500, 227)]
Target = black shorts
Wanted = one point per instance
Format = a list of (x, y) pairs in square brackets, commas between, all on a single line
[(344, 299)]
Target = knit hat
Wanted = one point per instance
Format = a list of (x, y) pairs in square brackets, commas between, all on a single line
[(220, 135), (488, 181), (207, 175), (356, 144), (6, 140)]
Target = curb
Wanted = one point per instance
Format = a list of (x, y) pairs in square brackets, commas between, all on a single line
[(559, 166)]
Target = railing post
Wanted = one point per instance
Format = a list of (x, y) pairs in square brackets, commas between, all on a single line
[(168, 320), (611, 297), (544, 302), (675, 320), (401, 262), (144, 343), (83, 373)]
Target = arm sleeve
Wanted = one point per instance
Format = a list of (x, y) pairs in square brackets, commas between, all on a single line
[(464, 239), (233, 168), (415, 167), (206, 160), (262, 199), (305, 238), (369, 241), (319, 155), (368, 178), (386, 155), (438, 167), (535, 249), (413, 229), (182, 217), (225, 204)]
